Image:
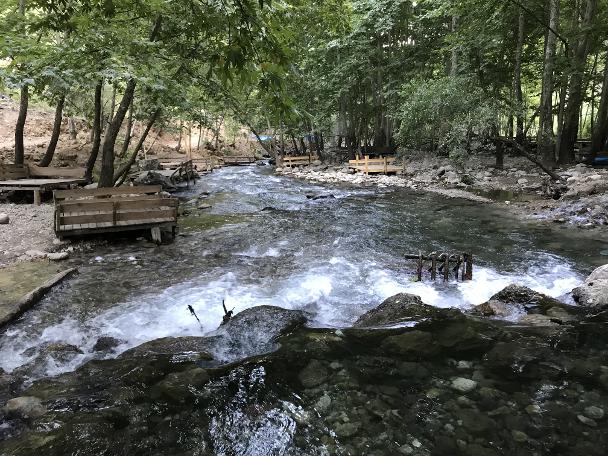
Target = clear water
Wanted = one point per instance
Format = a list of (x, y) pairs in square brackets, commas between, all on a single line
[(265, 242)]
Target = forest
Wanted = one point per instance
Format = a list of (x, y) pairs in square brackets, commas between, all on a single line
[(448, 77)]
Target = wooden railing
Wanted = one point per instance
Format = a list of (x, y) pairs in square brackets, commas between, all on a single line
[(290, 161), (382, 165)]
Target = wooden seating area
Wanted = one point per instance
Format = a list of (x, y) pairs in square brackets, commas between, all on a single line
[(39, 179), (108, 210), (382, 165), (301, 160)]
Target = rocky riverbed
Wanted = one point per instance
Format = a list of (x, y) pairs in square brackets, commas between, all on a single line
[(408, 378), (582, 202)]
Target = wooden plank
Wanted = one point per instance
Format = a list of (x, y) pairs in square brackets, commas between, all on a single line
[(84, 206), (86, 218), (110, 191), (76, 230), (48, 171), (169, 214)]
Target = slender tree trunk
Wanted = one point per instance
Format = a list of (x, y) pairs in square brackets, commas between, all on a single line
[(179, 140), (575, 88), (19, 128), (127, 141), (546, 140), (112, 108), (72, 128), (106, 177), (600, 130), (96, 131), (519, 99), (124, 169), (50, 150), (454, 56), (200, 134)]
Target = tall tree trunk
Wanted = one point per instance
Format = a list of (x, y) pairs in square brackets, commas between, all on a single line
[(50, 150), (124, 169), (575, 88), (20, 126), (519, 99), (96, 131), (546, 140), (127, 141), (600, 130), (106, 177)]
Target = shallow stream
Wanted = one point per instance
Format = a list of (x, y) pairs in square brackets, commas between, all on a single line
[(265, 241)]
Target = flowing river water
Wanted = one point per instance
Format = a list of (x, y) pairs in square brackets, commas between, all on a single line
[(265, 241)]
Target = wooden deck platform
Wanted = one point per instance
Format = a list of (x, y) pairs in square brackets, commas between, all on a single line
[(38, 186), (117, 209), (382, 165)]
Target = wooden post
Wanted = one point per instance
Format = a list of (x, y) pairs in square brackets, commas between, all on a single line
[(433, 267), (385, 165), (366, 165), (419, 269), (156, 235), (468, 273), (446, 267), (37, 197)]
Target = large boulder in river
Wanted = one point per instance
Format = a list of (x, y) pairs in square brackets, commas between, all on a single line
[(520, 303), (154, 178), (594, 292), (172, 346), (255, 330), (403, 307)]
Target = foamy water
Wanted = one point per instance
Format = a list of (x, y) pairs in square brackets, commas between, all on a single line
[(324, 257)]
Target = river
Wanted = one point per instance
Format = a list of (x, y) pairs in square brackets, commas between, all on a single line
[(265, 241)]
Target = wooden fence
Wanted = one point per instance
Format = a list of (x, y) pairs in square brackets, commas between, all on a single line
[(382, 165)]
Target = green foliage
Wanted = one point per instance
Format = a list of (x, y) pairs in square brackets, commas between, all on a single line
[(453, 113)]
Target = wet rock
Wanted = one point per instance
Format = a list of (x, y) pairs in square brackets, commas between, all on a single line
[(593, 412), (106, 344), (516, 299), (173, 345), (347, 429), (588, 421), (24, 407), (400, 308), (58, 256), (4, 219), (154, 178), (413, 345), (59, 351), (594, 292), (255, 330), (148, 164), (475, 422), (464, 385), (314, 374), (320, 197)]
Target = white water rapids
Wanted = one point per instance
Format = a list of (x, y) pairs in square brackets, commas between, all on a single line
[(335, 257)]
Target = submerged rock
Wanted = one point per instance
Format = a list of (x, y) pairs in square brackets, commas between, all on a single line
[(106, 344), (24, 407), (401, 308), (173, 345), (594, 292)]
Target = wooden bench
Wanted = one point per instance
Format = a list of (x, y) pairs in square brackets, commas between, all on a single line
[(38, 179), (300, 160), (115, 209), (382, 165)]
